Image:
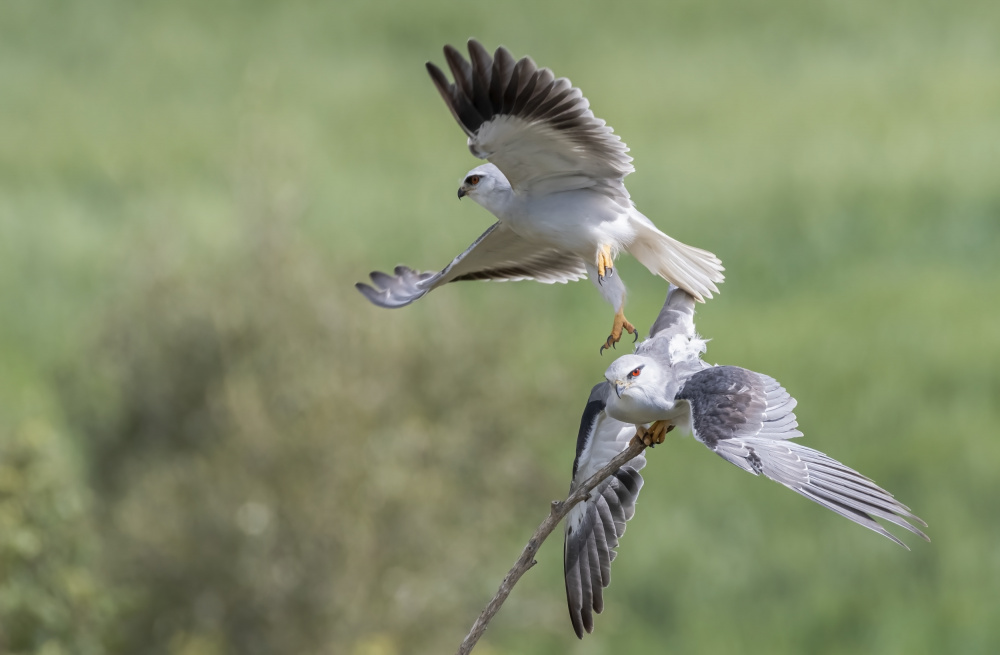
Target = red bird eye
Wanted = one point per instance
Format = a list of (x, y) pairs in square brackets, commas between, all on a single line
[(473, 180), (635, 373)]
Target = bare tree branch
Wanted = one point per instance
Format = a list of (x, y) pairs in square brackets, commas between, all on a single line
[(527, 559)]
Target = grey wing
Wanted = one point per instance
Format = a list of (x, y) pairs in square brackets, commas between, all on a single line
[(747, 419), (677, 314), (594, 526), (673, 340), (498, 254), (537, 129), (676, 317)]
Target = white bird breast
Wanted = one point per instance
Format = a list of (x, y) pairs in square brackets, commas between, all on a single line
[(580, 221), (637, 406)]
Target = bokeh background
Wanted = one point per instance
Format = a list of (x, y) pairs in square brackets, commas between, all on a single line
[(211, 444)]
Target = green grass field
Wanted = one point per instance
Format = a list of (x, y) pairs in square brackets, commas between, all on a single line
[(210, 443)]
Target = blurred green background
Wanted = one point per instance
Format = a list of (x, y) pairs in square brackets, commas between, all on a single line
[(211, 444)]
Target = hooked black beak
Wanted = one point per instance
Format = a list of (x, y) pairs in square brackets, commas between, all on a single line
[(619, 387), (461, 192)]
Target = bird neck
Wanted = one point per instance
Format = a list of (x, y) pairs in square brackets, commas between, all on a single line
[(499, 201)]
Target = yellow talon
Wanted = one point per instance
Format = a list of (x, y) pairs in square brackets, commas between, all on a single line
[(605, 264), (655, 433), (621, 324)]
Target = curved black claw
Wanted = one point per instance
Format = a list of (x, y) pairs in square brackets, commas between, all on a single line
[(636, 336), (608, 272)]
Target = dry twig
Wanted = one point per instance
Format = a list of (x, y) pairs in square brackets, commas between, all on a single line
[(527, 559)]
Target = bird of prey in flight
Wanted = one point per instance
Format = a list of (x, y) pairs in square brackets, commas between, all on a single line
[(745, 417), (555, 183)]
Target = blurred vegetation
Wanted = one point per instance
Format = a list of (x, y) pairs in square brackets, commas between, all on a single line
[(209, 443)]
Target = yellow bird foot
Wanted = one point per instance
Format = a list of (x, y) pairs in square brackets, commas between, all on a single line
[(654, 434), (605, 264), (621, 324)]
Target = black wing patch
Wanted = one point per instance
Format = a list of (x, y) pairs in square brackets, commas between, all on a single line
[(593, 410)]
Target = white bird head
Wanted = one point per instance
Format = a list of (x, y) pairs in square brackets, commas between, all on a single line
[(484, 184), (633, 375)]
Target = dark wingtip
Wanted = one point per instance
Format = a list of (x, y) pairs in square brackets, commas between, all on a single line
[(476, 49), (503, 52), (456, 62), (440, 79), (368, 292), (381, 280), (576, 618)]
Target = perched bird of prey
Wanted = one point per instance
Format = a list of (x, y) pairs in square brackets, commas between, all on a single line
[(743, 416), (555, 183)]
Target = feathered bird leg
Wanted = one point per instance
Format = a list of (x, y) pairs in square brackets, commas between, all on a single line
[(613, 290), (621, 323), (654, 434)]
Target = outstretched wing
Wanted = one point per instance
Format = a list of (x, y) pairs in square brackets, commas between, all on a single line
[(594, 526), (537, 129), (676, 316), (499, 254), (747, 419), (673, 340)]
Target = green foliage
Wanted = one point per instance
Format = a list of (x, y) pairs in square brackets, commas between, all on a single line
[(261, 495), (211, 444), (52, 601)]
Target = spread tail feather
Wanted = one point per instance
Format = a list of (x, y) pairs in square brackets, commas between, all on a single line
[(695, 270)]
